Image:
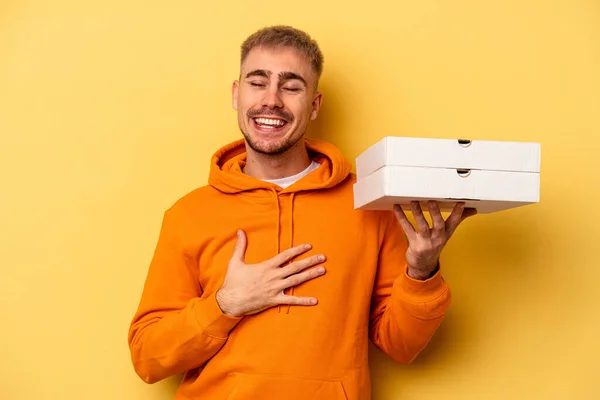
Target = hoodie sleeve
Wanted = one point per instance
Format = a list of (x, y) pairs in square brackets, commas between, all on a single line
[(177, 327), (405, 313)]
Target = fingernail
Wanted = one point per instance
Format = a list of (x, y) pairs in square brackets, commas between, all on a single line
[(313, 301), (321, 258), (307, 246), (320, 270)]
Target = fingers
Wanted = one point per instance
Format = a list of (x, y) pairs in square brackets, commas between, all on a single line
[(468, 212), (289, 254), (455, 218), (422, 225), (297, 279), (295, 300), (239, 251), (407, 227), (301, 265), (436, 216)]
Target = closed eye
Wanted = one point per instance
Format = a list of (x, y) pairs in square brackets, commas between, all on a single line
[(257, 84), (292, 89)]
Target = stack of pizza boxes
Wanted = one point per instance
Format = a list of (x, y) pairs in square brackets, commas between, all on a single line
[(487, 175)]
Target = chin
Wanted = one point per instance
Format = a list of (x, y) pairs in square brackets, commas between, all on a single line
[(272, 146)]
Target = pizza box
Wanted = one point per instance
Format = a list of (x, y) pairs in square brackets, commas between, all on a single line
[(487, 175)]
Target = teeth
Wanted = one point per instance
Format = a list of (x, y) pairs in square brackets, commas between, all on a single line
[(270, 122)]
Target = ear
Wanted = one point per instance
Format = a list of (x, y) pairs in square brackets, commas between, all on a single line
[(234, 94), (316, 105)]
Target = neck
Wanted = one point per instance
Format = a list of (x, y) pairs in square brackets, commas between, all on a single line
[(269, 166)]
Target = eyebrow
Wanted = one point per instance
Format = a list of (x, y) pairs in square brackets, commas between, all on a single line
[(258, 72), (283, 76), (288, 76)]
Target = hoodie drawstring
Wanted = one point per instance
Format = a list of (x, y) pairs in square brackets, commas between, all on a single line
[(278, 249), (287, 311), (278, 223), (291, 244)]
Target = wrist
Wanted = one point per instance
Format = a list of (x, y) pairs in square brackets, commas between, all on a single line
[(225, 304), (422, 274)]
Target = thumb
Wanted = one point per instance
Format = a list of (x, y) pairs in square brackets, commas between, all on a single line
[(239, 251), (468, 212)]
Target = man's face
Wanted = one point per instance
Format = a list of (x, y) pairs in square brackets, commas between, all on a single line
[(275, 98)]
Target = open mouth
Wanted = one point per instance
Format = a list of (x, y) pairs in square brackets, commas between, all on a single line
[(269, 123)]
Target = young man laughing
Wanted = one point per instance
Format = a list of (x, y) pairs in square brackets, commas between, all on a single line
[(266, 283)]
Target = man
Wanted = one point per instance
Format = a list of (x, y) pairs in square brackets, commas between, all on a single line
[(266, 283)]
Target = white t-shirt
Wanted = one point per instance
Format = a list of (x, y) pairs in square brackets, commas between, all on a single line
[(290, 180)]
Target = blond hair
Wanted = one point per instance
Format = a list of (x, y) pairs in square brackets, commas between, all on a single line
[(285, 36)]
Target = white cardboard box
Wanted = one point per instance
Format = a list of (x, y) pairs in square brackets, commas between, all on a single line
[(487, 175)]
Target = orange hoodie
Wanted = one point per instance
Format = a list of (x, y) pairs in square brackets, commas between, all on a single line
[(287, 352)]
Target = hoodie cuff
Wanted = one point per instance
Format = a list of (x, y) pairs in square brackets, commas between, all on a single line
[(421, 290), (211, 319)]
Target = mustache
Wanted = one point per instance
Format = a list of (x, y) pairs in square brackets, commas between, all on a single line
[(282, 114)]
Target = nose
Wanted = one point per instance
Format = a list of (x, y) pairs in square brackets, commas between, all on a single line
[(272, 98)]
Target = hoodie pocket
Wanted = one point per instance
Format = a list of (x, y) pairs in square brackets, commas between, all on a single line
[(276, 387)]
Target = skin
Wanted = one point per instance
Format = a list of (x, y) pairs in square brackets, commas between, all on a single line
[(425, 243), (280, 84), (276, 84)]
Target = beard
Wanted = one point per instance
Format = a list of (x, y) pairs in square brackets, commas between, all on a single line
[(271, 149)]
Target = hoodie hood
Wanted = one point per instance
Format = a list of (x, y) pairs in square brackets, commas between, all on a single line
[(227, 163)]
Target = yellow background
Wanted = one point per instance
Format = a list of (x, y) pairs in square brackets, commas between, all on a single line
[(110, 110)]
